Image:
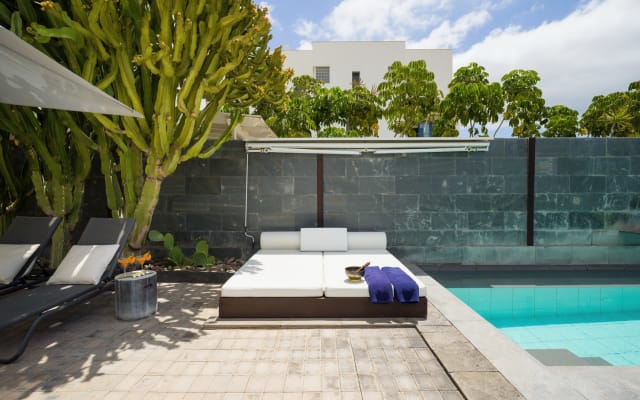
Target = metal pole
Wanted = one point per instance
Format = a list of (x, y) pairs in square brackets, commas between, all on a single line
[(246, 200)]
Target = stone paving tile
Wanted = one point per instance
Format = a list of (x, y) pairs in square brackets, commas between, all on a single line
[(88, 354), (485, 385), (454, 350)]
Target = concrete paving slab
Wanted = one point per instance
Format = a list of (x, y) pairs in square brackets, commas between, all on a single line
[(87, 353)]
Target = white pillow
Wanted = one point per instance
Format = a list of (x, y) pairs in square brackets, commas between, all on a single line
[(84, 264), (13, 257), (367, 240), (280, 241), (323, 239)]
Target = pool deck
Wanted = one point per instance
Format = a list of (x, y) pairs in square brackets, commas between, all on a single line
[(184, 352)]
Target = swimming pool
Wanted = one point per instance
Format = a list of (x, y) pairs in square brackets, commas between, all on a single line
[(564, 318)]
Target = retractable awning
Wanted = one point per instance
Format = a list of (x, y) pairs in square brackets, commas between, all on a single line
[(30, 78), (362, 146)]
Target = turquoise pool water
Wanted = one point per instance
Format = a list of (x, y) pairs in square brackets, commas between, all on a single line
[(593, 320)]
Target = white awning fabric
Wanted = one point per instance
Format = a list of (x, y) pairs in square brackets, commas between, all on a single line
[(363, 146), (30, 78)]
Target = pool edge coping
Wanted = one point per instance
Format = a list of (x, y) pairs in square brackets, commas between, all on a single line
[(509, 359)]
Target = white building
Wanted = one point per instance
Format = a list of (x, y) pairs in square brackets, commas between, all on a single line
[(341, 63)]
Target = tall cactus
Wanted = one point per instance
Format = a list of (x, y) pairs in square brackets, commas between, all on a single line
[(58, 164), (163, 59), (14, 180), (56, 144)]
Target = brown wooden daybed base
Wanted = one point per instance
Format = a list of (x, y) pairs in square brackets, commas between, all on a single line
[(317, 307)]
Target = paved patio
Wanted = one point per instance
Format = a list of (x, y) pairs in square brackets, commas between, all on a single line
[(85, 353)]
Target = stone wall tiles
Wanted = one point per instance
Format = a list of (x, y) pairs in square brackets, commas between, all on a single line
[(447, 208)]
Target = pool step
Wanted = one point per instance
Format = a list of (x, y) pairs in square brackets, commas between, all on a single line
[(563, 357)]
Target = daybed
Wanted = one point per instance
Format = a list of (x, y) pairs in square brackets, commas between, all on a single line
[(301, 275)]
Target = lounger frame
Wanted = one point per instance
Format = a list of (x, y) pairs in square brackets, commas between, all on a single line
[(28, 230), (51, 300)]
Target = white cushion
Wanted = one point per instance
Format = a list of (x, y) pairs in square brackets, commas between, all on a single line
[(280, 240), (367, 240), (323, 239), (336, 283), (84, 264), (13, 257), (277, 273)]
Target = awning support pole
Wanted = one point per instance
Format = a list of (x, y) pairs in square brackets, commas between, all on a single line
[(246, 201)]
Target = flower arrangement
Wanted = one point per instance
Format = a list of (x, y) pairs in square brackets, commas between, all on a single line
[(134, 260)]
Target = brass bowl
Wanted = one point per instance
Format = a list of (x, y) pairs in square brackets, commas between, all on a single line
[(353, 274)]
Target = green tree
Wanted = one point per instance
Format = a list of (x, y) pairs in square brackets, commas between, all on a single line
[(562, 121), (609, 115), (363, 111), (293, 116), (472, 100), (525, 107), (410, 96), (328, 112), (444, 127), (164, 59), (634, 106), (327, 107)]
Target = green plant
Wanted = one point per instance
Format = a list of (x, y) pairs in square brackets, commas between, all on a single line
[(162, 58), (199, 258), (410, 96)]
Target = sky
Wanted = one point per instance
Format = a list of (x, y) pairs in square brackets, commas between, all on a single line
[(580, 48)]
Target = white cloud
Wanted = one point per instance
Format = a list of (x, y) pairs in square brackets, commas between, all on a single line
[(592, 51), (374, 20), (447, 35)]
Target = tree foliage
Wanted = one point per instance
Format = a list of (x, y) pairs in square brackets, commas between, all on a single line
[(608, 115), (472, 100), (525, 107), (328, 112), (562, 121), (616, 114), (164, 59), (409, 95)]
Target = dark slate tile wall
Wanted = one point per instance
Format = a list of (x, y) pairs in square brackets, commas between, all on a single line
[(585, 190), (432, 205), (206, 199), (457, 208)]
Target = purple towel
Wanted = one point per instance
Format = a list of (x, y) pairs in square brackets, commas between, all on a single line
[(380, 290), (405, 289)]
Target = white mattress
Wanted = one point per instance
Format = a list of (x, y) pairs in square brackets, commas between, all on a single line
[(277, 273), (336, 283)]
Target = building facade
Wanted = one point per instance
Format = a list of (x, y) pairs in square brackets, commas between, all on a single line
[(342, 63)]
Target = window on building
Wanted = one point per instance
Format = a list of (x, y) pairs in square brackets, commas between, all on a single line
[(355, 78), (322, 74)]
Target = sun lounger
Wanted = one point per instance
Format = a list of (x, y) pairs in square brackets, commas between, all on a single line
[(86, 270), (301, 275), (20, 247)]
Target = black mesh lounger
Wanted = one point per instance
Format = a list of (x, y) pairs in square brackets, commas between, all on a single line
[(46, 300), (28, 230)]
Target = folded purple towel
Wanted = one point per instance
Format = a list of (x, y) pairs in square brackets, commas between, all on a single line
[(405, 289), (380, 290)]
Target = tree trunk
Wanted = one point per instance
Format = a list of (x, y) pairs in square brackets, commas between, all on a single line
[(144, 210)]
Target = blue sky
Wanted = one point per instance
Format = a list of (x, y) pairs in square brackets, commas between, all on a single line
[(580, 48)]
